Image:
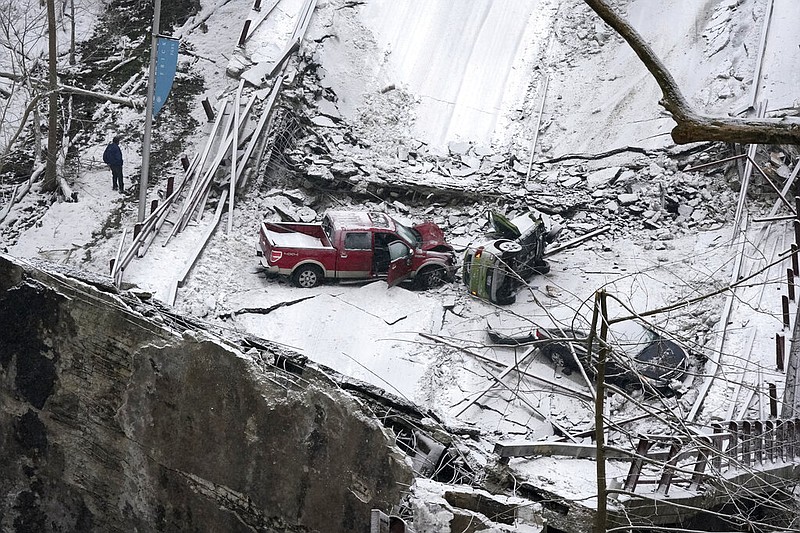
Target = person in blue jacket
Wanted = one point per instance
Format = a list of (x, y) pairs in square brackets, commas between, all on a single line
[(113, 158)]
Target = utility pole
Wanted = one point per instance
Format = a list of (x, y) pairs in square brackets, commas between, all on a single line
[(601, 309), (50, 182), (148, 123), (72, 32)]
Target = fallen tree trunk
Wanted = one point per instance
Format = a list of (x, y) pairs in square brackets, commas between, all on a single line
[(692, 126)]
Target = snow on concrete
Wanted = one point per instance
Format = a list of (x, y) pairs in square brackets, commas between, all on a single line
[(469, 59), (368, 332), (781, 69)]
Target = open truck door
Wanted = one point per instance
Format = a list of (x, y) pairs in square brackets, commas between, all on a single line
[(399, 263)]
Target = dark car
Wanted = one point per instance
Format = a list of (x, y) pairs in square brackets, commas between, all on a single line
[(660, 363), (497, 268)]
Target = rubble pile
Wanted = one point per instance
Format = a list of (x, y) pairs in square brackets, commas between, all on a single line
[(645, 193)]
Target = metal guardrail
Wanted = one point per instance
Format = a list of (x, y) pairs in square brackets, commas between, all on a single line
[(733, 447)]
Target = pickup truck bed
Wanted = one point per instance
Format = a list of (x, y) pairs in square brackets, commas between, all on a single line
[(294, 240), (296, 235)]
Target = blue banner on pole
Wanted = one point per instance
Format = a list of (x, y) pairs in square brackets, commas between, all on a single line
[(166, 62)]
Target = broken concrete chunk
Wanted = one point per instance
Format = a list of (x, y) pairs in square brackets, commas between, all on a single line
[(483, 151), (462, 172), (306, 214), (655, 170), (137, 397), (699, 215), (487, 167), (571, 181), (651, 224), (287, 213), (237, 64), (328, 108), (323, 160), (344, 170), (471, 161), (685, 210), (402, 153), (385, 166), (297, 196), (296, 157), (534, 187), (665, 235), (256, 74), (625, 177), (458, 148), (323, 121), (400, 206), (581, 227), (603, 177), (319, 172), (627, 198)]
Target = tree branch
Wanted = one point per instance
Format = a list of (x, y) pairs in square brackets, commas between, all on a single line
[(130, 102)]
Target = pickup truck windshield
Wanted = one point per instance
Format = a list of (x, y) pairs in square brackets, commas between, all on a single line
[(408, 234)]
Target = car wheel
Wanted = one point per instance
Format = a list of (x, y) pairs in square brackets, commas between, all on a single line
[(431, 277), (559, 353), (307, 276), (509, 247), (505, 294), (542, 267)]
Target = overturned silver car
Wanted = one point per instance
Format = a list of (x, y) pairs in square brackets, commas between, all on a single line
[(495, 269)]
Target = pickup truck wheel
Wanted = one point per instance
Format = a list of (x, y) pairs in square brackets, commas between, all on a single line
[(307, 276), (430, 277)]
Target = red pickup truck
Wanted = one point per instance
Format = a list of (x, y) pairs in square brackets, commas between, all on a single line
[(356, 245)]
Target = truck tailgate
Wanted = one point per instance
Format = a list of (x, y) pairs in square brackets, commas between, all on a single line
[(293, 240)]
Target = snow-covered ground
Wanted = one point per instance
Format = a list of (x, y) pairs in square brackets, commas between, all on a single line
[(473, 71)]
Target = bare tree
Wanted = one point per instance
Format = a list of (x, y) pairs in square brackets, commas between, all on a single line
[(691, 125), (21, 30)]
